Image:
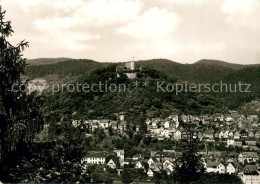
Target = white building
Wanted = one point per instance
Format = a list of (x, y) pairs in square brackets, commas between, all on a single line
[(230, 169), (230, 142), (250, 175), (236, 135), (221, 134), (104, 123), (167, 165), (177, 135), (249, 157), (94, 157), (152, 161), (165, 133), (111, 164), (120, 154), (150, 173), (166, 124), (139, 165), (215, 167)]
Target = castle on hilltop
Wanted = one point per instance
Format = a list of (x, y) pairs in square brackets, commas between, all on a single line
[(128, 69)]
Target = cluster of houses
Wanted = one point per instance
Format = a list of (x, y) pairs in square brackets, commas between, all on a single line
[(218, 126), (244, 164), (119, 126), (233, 129)]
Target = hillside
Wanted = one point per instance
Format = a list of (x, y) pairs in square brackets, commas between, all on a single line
[(201, 71), (44, 61), (64, 68), (204, 71), (142, 102), (232, 66), (138, 102), (248, 77), (187, 72)]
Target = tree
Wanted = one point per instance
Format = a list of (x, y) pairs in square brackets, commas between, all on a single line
[(59, 159), (110, 131), (20, 118), (146, 165), (189, 168), (101, 176), (126, 176)]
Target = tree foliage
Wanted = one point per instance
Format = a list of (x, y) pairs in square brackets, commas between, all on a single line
[(189, 168), (20, 118)]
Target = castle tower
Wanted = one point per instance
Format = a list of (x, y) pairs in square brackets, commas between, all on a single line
[(132, 65)]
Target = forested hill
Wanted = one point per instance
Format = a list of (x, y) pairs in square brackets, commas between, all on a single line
[(142, 102), (138, 102), (247, 76), (198, 72), (222, 64), (64, 68), (201, 71), (44, 61)]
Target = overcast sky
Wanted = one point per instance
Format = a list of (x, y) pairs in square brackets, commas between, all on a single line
[(184, 31)]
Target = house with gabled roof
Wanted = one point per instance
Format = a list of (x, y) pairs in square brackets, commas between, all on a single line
[(139, 165), (215, 167), (251, 134), (111, 163), (230, 134), (177, 135), (225, 136), (152, 161), (167, 165), (250, 174), (150, 173), (147, 121), (221, 134), (249, 157), (257, 134), (237, 135), (230, 168), (216, 135), (244, 133)]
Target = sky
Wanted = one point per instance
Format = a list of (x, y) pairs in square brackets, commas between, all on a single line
[(184, 31)]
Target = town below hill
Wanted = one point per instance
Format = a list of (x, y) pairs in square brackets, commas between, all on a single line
[(137, 135), (228, 146)]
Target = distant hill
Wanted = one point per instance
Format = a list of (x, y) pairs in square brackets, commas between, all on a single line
[(222, 64), (250, 76), (146, 102), (64, 68), (44, 61), (201, 71)]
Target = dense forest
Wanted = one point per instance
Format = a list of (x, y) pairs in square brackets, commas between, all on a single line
[(201, 71), (204, 71), (138, 102)]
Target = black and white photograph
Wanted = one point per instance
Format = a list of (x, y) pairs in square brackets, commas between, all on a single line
[(130, 91)]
